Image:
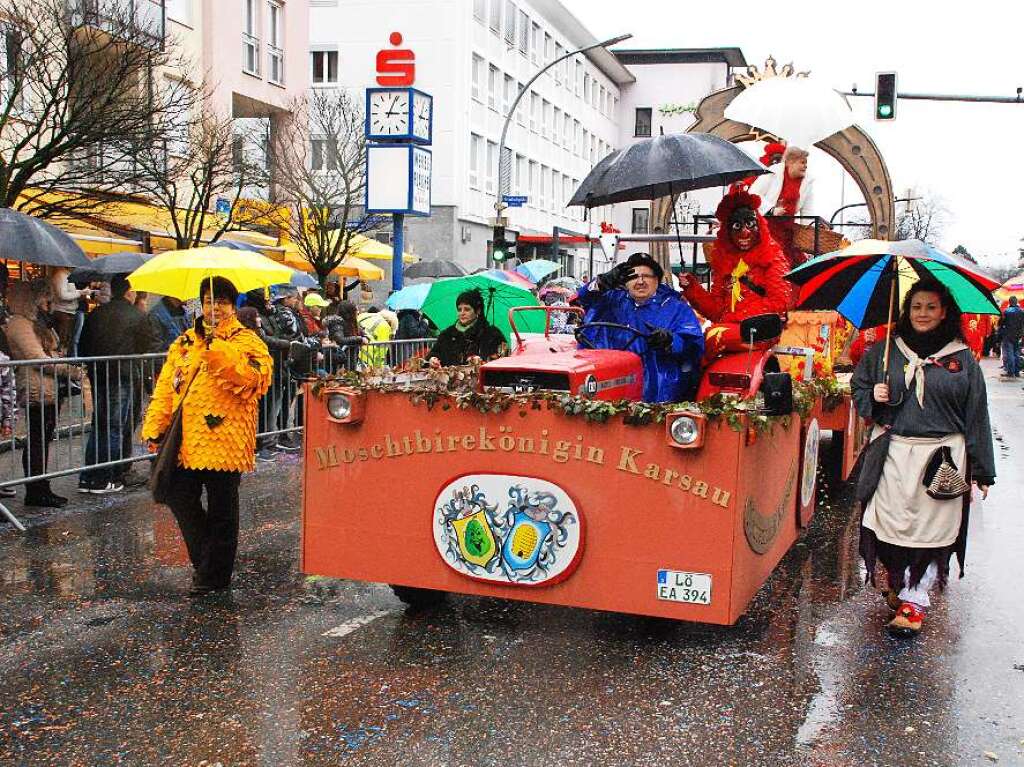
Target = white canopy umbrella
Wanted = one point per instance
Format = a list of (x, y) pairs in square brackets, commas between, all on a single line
[(801, 110)]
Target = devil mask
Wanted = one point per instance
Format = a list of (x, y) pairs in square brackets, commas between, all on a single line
[(743, 229)]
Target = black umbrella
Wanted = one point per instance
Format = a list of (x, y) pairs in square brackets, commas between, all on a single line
[(102, 269), (30, 239), (663, 166), (434, 269)]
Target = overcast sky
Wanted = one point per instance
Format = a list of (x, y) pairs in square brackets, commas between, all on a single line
[(969, 154)]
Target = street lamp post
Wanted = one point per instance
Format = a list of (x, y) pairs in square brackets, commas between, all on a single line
[(505, 166)]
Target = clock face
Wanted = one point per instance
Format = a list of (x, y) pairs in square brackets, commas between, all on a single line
[(389, 113), (422, 108)]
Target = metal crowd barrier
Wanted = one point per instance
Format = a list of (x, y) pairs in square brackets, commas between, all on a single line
[(83, 414)]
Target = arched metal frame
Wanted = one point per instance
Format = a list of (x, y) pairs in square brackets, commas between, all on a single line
[(852, 148)]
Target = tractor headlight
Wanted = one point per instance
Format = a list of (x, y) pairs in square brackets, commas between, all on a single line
[(339, 406), (686, 430)]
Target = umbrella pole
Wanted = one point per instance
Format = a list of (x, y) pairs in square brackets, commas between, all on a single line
[(888, 326), (679, 235)]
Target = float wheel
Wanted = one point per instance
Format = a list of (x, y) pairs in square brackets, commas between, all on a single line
[(419, 598)]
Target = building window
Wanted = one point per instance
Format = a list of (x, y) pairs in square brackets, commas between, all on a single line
[(475, 146), (496, 16), (250, 38), (478, 78), (521, 187), (534, 111), (480, 10), (509, 93), (523, 105), (510, 22), (275, 44), (559, 52), (535, 43), (524, 33), (567, 131), (644, 117), (14, 73), (492, 87), (324, 154), (641, 220), (532, 181), (325, 67), (549, 50), (556, 125), (492, 164), (545, 184), (546, 125)]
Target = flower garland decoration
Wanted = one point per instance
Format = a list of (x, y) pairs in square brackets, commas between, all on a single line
[(456, 387)]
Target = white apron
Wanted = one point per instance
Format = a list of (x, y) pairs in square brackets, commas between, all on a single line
[(901, 512)]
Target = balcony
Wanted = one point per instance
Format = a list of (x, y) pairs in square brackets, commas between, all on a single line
[(142, 21)]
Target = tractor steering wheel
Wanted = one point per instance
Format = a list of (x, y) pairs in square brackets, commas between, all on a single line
[(586, 343)]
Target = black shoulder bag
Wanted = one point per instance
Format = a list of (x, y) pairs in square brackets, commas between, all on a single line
[(165, 465), (872, 462)]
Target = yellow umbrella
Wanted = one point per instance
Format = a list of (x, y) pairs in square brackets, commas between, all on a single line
[(349, 267), (357, 267), (365, 247), (178, 273)]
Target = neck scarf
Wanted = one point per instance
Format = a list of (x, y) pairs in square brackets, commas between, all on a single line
[(463, 328), (916, 365)]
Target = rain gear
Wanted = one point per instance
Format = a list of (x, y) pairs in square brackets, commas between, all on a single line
[(30, 340), (377, 328), (219, 411), (669, 376)]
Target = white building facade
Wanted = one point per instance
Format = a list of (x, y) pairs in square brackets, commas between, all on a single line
[(474, 57)]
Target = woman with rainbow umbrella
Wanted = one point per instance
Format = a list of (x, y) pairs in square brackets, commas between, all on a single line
[(925, 395)]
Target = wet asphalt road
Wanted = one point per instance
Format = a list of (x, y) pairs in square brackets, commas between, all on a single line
[(103, 660)]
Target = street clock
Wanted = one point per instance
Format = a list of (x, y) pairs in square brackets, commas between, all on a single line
[(399, 114)]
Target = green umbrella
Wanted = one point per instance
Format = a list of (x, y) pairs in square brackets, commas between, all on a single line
[(498, 298)]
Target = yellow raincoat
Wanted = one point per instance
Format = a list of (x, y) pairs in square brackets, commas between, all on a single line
[(219, 414)]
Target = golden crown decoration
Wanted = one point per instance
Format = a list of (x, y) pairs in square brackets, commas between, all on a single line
[(754, 75)]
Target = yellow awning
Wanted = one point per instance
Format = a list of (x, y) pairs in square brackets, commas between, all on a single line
[(349, 267)]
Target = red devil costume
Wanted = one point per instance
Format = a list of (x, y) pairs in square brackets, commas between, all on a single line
[(744, 283)]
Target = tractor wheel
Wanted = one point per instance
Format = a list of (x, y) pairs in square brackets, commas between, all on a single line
[(420, 599)]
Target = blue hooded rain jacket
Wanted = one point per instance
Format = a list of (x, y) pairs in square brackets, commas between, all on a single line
[(669, 376)]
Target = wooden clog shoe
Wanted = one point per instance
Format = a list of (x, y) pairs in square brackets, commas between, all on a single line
[(907, 622)]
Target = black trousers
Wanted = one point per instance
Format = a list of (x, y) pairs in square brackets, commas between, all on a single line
[(211, 534), (41, 422)]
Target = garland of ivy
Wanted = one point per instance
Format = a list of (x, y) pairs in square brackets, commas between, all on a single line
[(456, 387)]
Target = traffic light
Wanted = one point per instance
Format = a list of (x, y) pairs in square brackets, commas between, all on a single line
[(502, 249), (885, 96)]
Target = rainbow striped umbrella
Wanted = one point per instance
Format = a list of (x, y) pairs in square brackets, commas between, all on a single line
[(864, 281)]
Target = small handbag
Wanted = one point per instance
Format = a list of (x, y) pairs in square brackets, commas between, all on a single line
[(942, 480)]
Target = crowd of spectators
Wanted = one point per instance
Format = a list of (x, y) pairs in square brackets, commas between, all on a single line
[(49, 318)]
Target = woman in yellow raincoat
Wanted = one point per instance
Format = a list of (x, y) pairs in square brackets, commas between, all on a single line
[(217, 372)]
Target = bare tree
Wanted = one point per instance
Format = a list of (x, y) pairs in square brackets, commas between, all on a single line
[(83, 86), (923, 219), (318, 178), (202, 160)]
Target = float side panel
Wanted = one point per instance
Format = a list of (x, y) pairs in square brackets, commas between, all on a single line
[(766, 510), (369, 512)]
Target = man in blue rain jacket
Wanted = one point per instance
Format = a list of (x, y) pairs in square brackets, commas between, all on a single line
[(673, 344)]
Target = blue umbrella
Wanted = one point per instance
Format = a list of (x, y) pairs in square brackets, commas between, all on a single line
[(538, 269), (411, 297)]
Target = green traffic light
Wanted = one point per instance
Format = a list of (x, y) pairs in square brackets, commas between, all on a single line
[(884, 110), (499, 255)]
